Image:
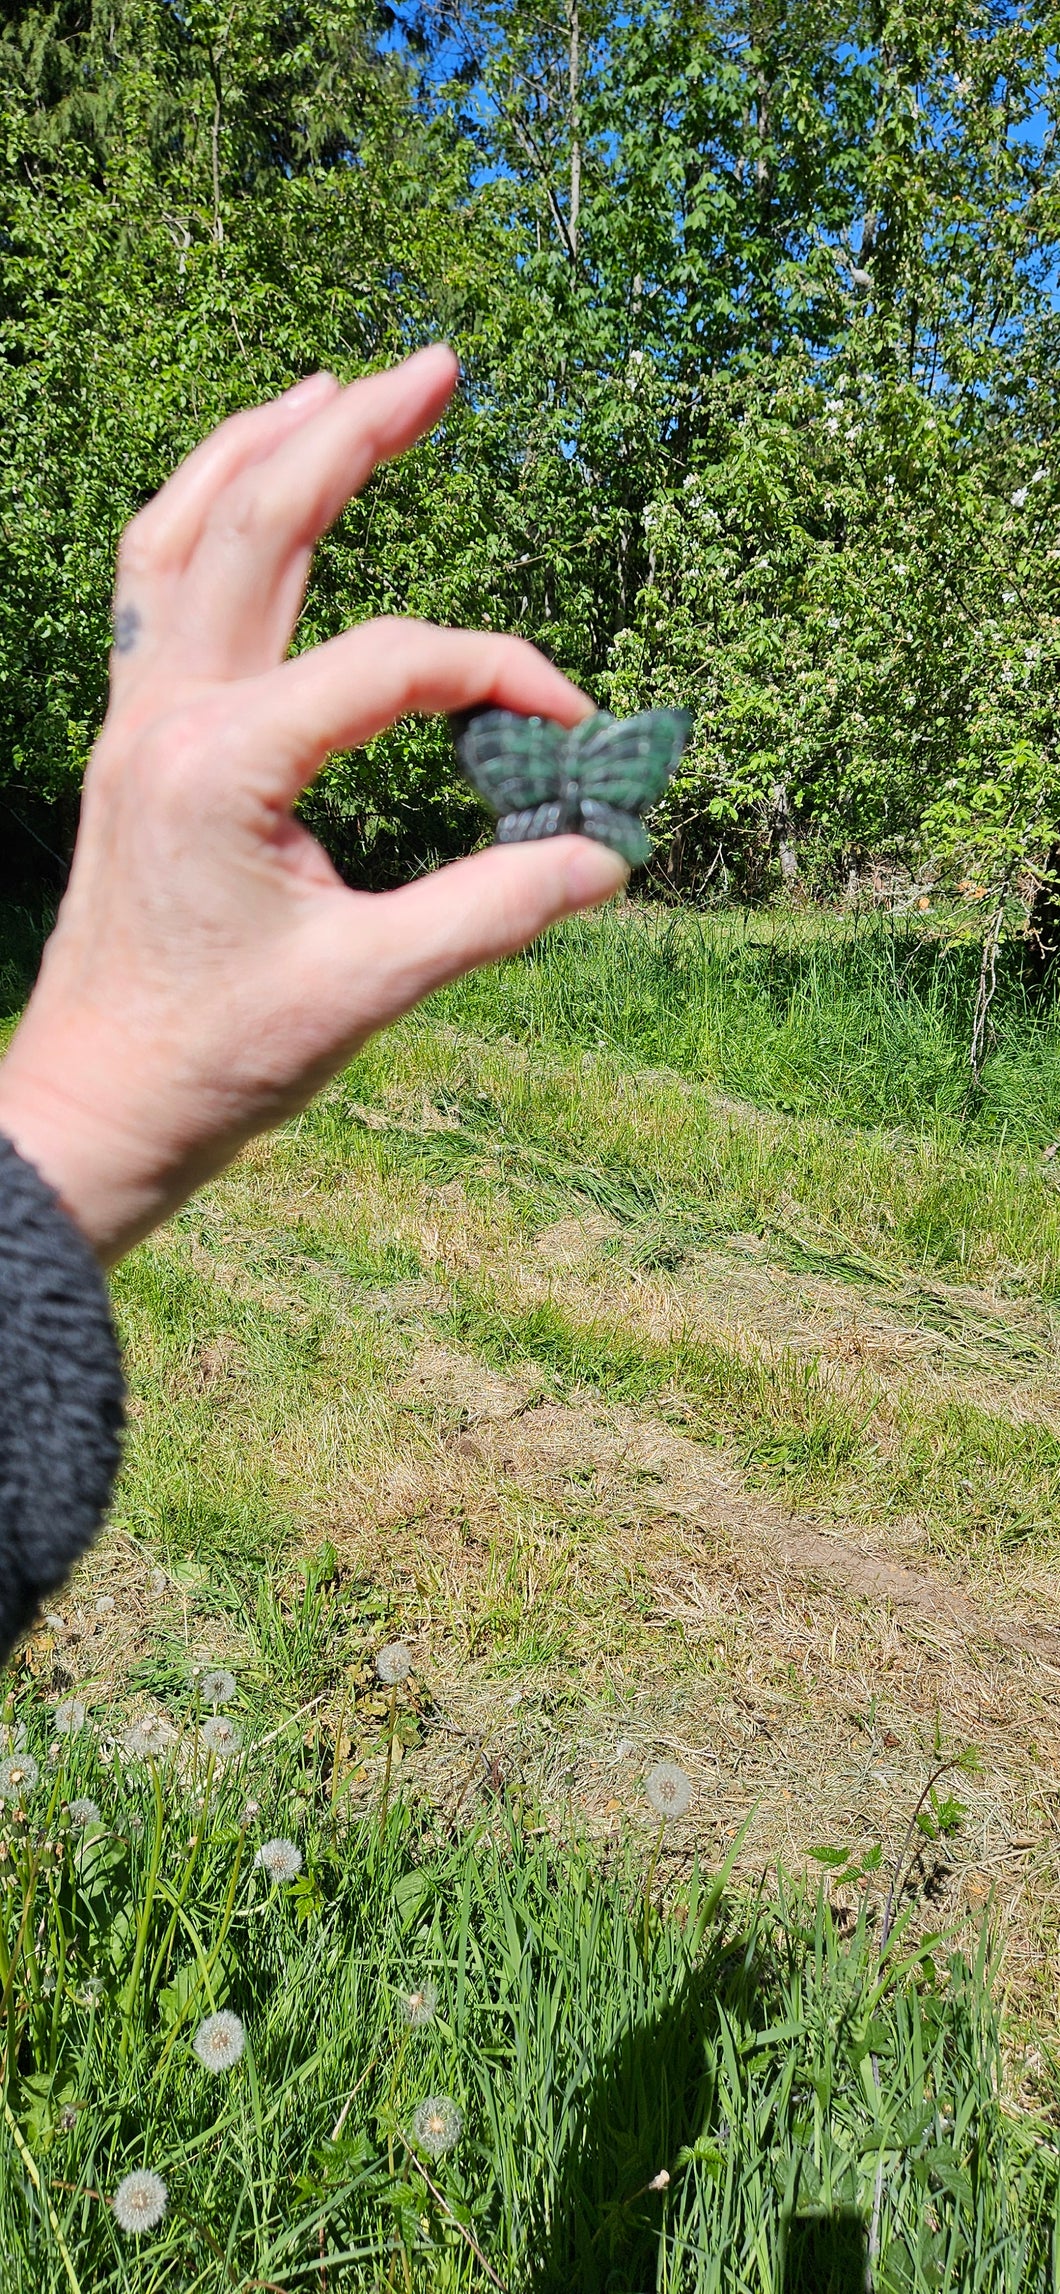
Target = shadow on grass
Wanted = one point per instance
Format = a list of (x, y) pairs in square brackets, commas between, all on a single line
[(653, 2100), (826, 2253)]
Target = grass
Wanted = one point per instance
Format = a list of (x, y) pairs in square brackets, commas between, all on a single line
[(667, 1198), (861, 1455), (865, 1019), (712, 2091)]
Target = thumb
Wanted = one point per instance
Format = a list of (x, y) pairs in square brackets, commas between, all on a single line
[(472, 912)]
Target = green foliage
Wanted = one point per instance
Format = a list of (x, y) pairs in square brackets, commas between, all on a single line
[(759, 357)]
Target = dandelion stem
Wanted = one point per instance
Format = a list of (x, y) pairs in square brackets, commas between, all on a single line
[(648, 1886), (144, 1921), (30, 2164), (391, 1722), (465, 2233)]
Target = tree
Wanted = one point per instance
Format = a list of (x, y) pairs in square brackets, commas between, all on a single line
[(754, 306)]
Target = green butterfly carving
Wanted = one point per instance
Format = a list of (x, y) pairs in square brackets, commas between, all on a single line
[(542, 780)]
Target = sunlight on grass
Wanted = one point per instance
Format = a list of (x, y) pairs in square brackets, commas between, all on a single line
[(271, 2039), (617, 2075)]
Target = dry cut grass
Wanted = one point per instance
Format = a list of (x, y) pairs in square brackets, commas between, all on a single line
[(658, 1423)]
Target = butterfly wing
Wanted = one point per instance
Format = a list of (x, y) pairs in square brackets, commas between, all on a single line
[(517, 764), (535, 821), (621, 830), (626, 762)]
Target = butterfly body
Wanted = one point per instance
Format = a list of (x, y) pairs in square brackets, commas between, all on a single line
[(542, 779)]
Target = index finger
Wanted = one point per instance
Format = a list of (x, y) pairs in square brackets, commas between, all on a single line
[(292, 498)]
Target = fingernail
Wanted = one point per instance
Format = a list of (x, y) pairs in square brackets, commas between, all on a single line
[(593, 871), (312, 386), (430, 350)]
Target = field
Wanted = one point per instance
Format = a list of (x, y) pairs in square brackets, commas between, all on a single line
[(659, 1339)]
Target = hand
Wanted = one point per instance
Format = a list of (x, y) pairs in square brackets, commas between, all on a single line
[(209, 970)]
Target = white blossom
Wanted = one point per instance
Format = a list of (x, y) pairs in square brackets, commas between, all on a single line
[(150, 1738), (420, 2006), (217, 1687), (280, 1859), (18, 1775)]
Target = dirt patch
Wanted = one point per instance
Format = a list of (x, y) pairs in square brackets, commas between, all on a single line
[(668, 1475), (810, 1682)]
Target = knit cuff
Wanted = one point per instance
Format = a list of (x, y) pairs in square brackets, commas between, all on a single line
[(61, 1394)]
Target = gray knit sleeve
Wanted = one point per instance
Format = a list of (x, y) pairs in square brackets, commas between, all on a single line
[(61, 1394)]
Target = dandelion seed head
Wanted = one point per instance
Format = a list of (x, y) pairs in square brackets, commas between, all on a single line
[(221, 1736), (82, 1812), (68, 2118), (139, 2201), (220, 2040), (438, 2125), (280, 1859), (69, 1716), (105, 1605), (217, 1687), (54, 1622), (92, 1990), (18, 1775), (394, 1663), (420, 2006), (150, 1738), (669, 1789)]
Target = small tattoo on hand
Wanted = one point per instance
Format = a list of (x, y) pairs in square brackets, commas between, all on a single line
[(128, 623)]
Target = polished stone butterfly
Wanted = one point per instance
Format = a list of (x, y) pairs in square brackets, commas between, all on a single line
[(596, 779)]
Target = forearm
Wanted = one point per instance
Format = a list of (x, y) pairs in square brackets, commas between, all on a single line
[(61, 1394)]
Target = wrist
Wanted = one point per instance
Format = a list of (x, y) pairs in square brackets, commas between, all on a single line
[(99, 1165)]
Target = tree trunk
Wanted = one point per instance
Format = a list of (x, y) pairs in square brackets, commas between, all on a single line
[(784, 831), (1042, 934), (574, 75)]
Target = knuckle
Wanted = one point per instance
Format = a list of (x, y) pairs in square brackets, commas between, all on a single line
[(389, 630), (177, 754), (137, 553), (244, 511)]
